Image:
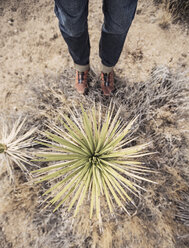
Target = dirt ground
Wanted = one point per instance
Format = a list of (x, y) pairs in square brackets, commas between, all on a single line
[(31, 45), (32, 50)]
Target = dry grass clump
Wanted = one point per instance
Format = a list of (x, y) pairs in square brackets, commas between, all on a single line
[(143, 99), (57, 230), (183, 210), (182, 218), (179, 9)]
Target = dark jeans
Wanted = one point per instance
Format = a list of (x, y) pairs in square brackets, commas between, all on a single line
[(118, 16)]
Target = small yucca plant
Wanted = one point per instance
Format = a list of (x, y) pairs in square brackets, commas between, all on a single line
[(13, 146), (92, 161)]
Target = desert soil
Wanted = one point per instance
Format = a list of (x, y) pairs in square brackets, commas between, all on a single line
[(31, 45), (32, 49)]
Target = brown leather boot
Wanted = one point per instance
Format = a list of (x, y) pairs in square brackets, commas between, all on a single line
[(107, 83), (81, 84)]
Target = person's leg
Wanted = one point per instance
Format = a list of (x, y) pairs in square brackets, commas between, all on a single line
[(118, 16), (72, 15)]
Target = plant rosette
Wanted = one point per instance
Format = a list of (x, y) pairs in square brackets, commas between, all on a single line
[(90, 161), (15, 143)]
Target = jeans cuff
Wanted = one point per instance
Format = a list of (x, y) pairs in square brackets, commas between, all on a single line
[(82, 68), (106, 69)]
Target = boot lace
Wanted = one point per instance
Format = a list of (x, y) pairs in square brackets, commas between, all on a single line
[(80, 77), (106, 78)]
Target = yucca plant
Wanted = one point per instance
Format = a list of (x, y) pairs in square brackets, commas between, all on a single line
[(92, 160), (14, 143)]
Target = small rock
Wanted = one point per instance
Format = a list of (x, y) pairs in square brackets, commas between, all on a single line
[(41, 37), (55, 36), (183, 65), (184, 55), (139, 11), (14, 9), (11, 21)]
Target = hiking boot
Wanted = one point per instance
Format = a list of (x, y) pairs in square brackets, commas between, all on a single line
[(107, 83), (81, 84)]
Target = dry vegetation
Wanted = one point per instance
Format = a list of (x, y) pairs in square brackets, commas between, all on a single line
[(160, 219), (161, 103), (179, 9)]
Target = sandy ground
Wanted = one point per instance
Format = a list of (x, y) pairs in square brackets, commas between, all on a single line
[(32, 50), (31, 45)]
